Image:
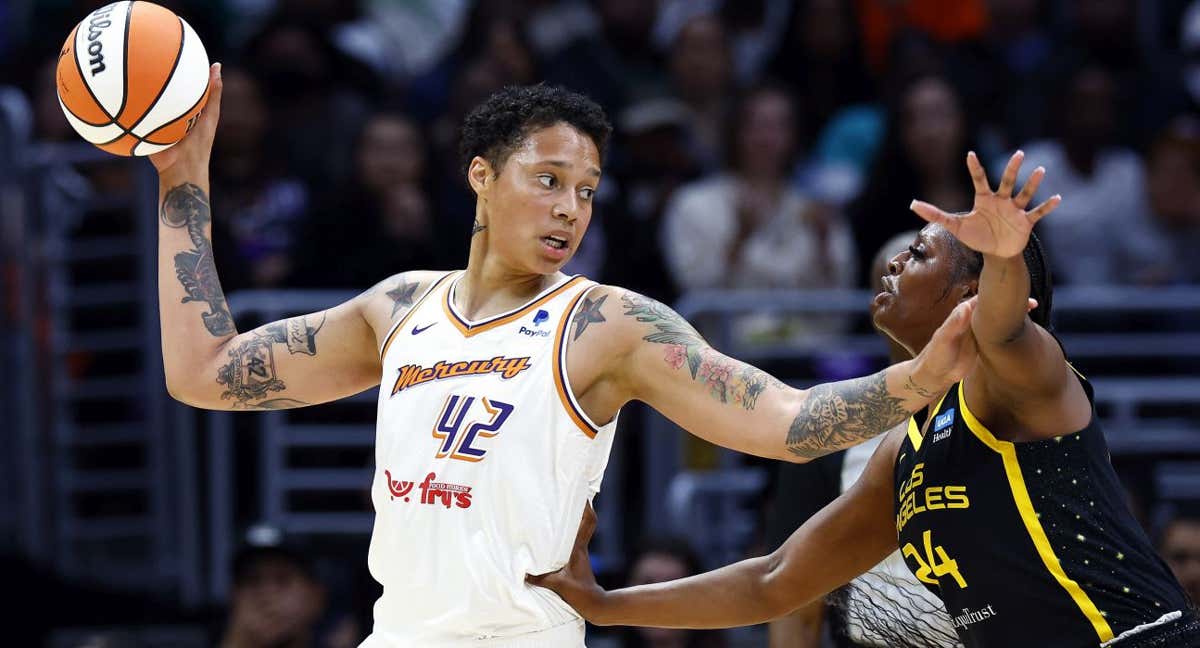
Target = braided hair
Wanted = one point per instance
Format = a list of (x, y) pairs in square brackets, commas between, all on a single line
[(970, 264)]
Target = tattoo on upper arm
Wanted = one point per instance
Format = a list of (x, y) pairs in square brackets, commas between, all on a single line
[(403, 295), (187, 206), (250, 374), (838, 415), (589, 313), (727, 380)]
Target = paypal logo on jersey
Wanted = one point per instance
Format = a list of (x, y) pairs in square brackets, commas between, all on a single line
[(539, 318)]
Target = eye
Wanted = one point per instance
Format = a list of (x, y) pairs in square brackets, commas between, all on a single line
[(916, 253), (587, 192), (548, 181)]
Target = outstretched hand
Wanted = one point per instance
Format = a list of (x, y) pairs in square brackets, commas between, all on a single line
[(575, 582), (998, 224), (192, 152)]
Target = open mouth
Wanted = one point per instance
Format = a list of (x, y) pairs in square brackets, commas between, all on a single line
[(889, 284), (556, 242)]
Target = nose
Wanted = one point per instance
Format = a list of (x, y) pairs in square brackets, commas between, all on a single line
[(566, 209)]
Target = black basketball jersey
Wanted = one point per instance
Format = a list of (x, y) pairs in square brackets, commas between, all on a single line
[(1027, 544)]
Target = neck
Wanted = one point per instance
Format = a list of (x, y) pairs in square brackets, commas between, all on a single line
[(490, 286)]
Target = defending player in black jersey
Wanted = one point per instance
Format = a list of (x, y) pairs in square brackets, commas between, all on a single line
[(1001, 497)]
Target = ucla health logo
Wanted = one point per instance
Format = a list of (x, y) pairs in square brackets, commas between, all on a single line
[(942, 422), (539, 318)]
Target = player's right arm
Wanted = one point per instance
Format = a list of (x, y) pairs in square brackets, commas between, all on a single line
[(290, 363), (846, 538)]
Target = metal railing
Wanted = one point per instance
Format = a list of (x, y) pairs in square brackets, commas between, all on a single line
[(108, 481)]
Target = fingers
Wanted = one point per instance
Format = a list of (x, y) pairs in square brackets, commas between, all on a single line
[(212, 109), (1009, 179), (978, 175), (935, 215), (960, 318), (587, 526), (1030, 188), (1044, 208)]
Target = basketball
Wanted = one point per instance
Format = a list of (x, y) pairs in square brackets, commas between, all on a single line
[(132, 78)]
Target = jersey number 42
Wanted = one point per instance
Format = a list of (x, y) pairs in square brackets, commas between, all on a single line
[(461, 425)]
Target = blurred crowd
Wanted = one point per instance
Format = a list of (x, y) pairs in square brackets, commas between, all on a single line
[(757, 144)]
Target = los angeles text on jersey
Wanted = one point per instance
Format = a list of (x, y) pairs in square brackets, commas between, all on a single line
[(413, 375), (915, 497)]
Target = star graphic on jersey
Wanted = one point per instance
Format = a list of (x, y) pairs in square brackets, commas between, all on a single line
[(588, 314), (402, 295)]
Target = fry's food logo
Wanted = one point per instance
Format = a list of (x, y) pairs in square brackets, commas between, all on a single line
[(431, 492)]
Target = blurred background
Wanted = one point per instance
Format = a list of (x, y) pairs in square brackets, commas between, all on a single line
[(764, 154)]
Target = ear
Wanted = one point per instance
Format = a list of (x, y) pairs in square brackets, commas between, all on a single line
[(479, 174), (969, 290)]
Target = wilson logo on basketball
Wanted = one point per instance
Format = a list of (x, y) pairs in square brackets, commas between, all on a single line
[(432, 492), (96, 26), (412, 375)]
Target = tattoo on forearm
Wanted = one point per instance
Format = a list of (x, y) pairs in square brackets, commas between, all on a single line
[(728, 380), (402, 295), (187, 206), (250, 374), (912, 386), (589, 313), (839, 415)]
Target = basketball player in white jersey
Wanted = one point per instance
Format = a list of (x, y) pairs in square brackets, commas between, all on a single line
[(499, 384)]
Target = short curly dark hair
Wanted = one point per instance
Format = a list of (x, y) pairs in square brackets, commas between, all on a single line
[(496, 127)]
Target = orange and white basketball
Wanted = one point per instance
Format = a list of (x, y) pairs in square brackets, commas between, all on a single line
[(132, 78)]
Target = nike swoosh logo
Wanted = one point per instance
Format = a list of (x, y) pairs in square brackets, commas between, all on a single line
[(421, 329)]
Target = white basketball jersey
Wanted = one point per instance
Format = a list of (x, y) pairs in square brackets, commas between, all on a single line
[(484, 461)]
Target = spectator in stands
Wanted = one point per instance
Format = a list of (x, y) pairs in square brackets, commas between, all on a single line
[(702, 78), (1011, 71), (266, 207), (619, 63), (1105, 183), (277, 599), (927, 138), (821, 58), (945, 22), (383, 213), (1180, 547), (316, 95), (1189, 45), (495, 31), (747, 227), (658, 560), (1146, 84), (1163, 255), (651, 162)]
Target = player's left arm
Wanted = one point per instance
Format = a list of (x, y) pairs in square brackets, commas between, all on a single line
[(653, 355), (1020, 362)]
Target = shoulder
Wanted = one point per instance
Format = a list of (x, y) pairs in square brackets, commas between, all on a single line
[(614, 321), (390, 299)]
